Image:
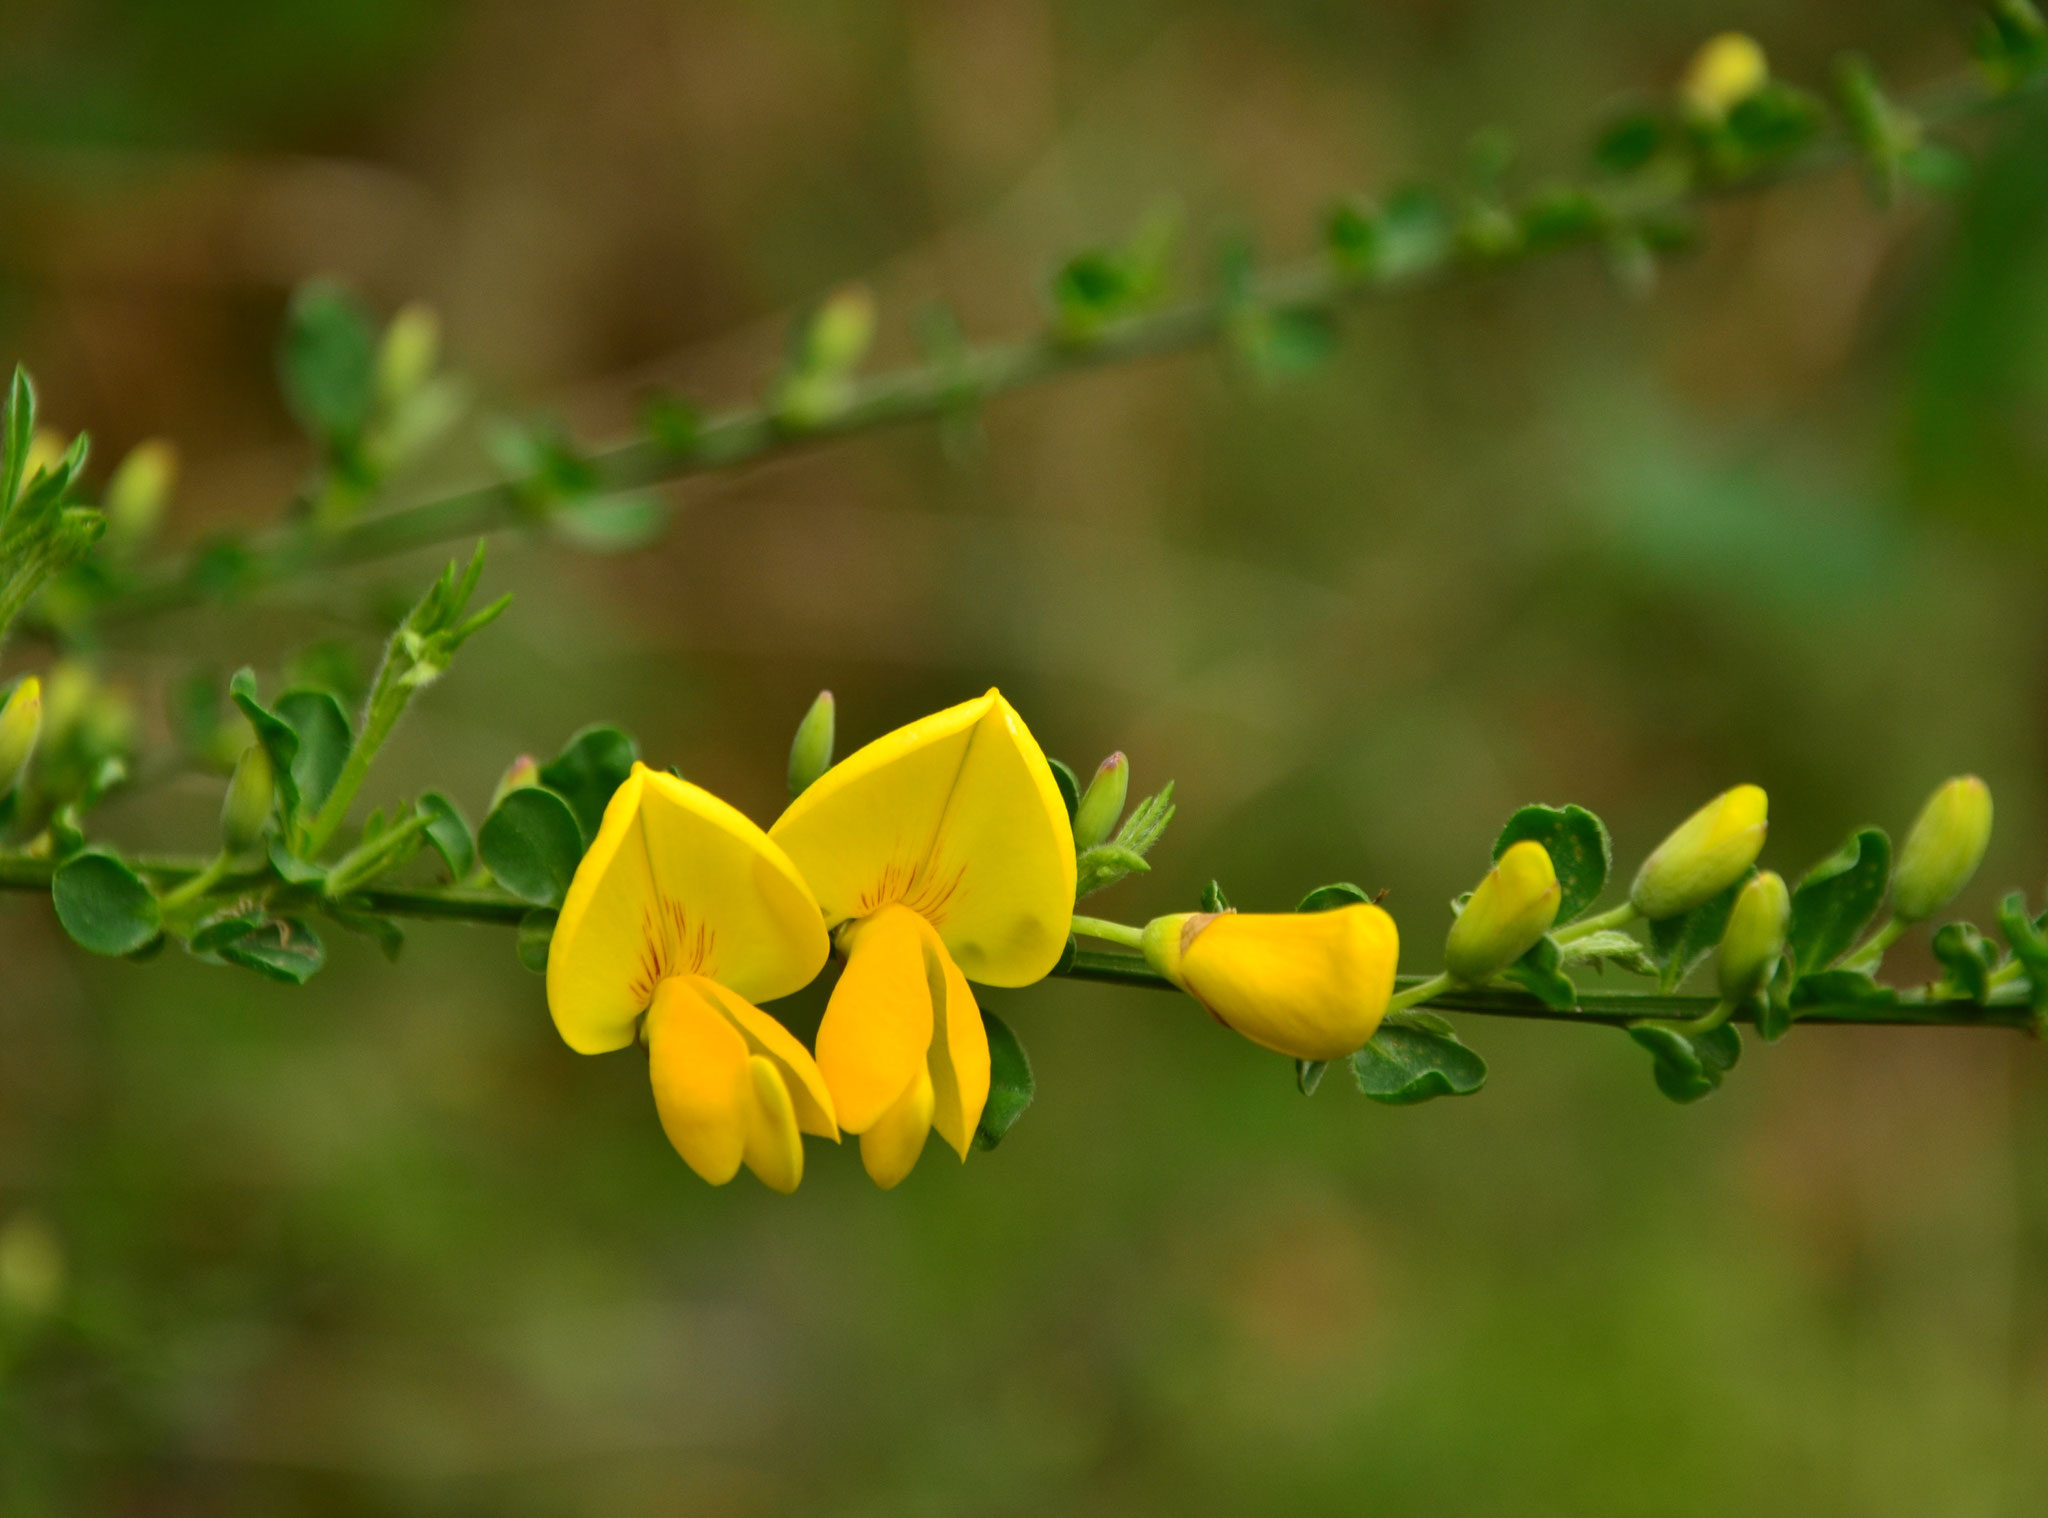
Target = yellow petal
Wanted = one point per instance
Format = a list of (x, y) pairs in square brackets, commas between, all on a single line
[(702, 1087), (774, 1149), (677, 883), (767, 1038), (1310, 984), (878, 1025), (890, 1148), (958, 1059), (957, 817)]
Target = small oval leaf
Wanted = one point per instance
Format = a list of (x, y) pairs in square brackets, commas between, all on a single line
[(104, 905), (532, 844)]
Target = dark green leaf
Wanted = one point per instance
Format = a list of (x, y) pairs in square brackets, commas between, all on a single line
[(224, 928), (329, 361), (1774, 121), (1010, 1083), (1066, 959), (536, 933), (1837, 899), (532, 844), (1069, 783), (1828, 988), (594, 764), (1308, 1074), (674, 423), (1774, 1006), (1415, 1059), (1688, 1067), (284, 949), (1213, 899), (1678, 944), (389, 935), (276, 735), (1537, 973), (1579, 849), (448, 832), (19, 427), (1968, 957), (1328, 898), (2028, 946), (1414, 234), (293, 870), (104, 905), (1629, 141), (324, 743)]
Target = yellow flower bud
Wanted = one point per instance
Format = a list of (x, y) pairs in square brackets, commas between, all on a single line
[(1941, 852), (1755, 935), (1512, 908), (245, 811), (1725, 72), (408, 353), (521, 772), (1310, 984), (1097, 815), (841, 330), (1705, 855), (138, 492), (21, 722)]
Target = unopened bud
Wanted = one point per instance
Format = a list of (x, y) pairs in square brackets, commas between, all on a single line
[(409, 352), (1943, 849), (31, 1266), (1096, 817), (1726, 71), (840, 330), (1705, 855), (519, 774), (21, 723), (45, 451), (1755, 935), (138, 492), (810, 755), (1510, 910), (245, 812)]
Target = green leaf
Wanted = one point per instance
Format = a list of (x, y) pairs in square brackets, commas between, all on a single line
[(589, 768), (675, 424), (1328, 898), (1678, 944), (532, 844), (1415, 1059), (328, 362), (2028, 946), (448, 831), (1688, 1067), (1308, 1074), (1066, 959), (1774, 121), (1213, 899), (19, 427), (1010, 1083), (324, 743), (1537, 973), (389, 935), (1579, 849), (1968, 957), (1836, 900), (1069, 783), (610, 523), (223, 928), (1630, 141), (536, 933), (1774, 1006), (104, 905), (1609, 947), (1827, 988), (293, 870), (276, 735), (283, 949)]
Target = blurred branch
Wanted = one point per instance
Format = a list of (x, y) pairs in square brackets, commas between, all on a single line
[(1614, 212)]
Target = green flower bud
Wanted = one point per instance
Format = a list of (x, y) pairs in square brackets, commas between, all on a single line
[(21, 722), (520, 773), (1755, 935), (245, 812), (1103, 804), (1943, 849), (1510, 910), (138, 493), (840, 331), (1706, 854), (408, 353), (810, 755)]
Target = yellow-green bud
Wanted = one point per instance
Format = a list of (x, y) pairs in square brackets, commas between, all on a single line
[(246, 810), (45, 451), (138, 492), (1103, 804), (810, 755), (408, 353), (1705, 855), (21, 722), (1726, 71), (520, 773), (1755, 935), (840, 332), (31, 1266), (1943, 849), (1512, 908)]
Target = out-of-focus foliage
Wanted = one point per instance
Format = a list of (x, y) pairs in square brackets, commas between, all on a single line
[(381, 1245)]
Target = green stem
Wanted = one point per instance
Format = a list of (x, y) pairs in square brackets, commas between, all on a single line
[(1415, 995), (1870, 953), (387, 704), (198, 885), (1114, 932), (1693, 1027), (1615, 918)]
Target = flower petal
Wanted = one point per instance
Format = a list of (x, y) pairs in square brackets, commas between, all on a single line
[(775, 1150), (889, 1150), (957, 817), (1310, 984), (810, 1098), (878, 1025), (959, 1053), (677, 883), (702, 1086)]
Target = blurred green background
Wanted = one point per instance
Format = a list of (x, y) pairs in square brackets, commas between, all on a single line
[(385, 1246)]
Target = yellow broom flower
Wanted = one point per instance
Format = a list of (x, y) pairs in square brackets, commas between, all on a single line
[(680, 918), (939, 854)]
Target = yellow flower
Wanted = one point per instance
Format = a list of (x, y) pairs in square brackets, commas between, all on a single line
[(940, 854), (21, 722), (1705, 854), (1311, 984), (1726, 71), (1509, 911), (686, 912)]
